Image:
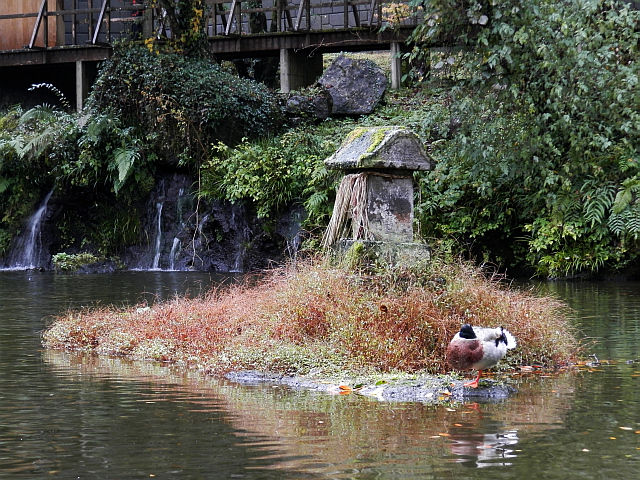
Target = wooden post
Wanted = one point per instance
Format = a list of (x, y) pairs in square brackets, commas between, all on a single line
[(82, 84), (101, 15), (59, 20), (45, 27), (74, 23), (396, 66), (298, 69), (239, 17), (278, 15), (147, 23), (90, 20), (346, 13), (108, 21), (36, 27), (234, 5), (372, 11)]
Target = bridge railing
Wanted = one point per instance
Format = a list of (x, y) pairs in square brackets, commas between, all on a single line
[(235, 17), (79, 22)]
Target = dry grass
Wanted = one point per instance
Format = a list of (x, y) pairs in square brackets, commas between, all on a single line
[(315, 317)]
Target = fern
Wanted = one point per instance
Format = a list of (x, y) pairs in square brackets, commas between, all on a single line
[(566, 209), (597, 199), (123, 160), (625, 194), (633, 222), (616, 224), (4, 184), (43, 113), (317, 203)]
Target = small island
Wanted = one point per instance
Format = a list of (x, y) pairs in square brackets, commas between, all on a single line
[(318, 324)]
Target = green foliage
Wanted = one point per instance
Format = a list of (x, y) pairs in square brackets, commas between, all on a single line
[(274, 173), (544, 163), (182, 105), (67, 262), (27, 142), (186, 19), (108, 153)]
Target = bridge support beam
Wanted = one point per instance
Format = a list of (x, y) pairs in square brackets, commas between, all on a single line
[(298, 69), (396, 66), (82, 84)]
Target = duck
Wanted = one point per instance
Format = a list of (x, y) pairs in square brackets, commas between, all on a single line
[(478, 348)]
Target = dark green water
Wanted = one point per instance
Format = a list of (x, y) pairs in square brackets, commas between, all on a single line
[(68, 416)]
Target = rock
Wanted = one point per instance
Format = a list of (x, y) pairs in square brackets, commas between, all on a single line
[(425, 388), (313, 104), (388, 148), (356, 86)]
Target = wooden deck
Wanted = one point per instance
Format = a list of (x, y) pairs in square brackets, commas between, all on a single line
[(86, 34), (49, 32)]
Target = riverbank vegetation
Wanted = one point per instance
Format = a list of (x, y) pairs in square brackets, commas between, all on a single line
[(531, 112), (323, 319)]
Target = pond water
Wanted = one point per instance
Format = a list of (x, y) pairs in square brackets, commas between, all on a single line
[(71, 416)]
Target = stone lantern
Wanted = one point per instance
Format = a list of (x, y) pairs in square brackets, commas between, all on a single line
[(376, 195)]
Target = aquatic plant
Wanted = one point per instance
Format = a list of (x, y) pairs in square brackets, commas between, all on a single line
[(314, 316)]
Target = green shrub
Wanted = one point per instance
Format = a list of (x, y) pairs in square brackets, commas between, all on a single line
[(275, 172), (69, 262), (545, 163), (28, 140), (182, 105)]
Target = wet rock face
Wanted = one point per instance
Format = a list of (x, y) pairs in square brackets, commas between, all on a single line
[(356, 86), (181, 233)]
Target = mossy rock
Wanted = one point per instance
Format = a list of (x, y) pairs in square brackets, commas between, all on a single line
[(386, 148)]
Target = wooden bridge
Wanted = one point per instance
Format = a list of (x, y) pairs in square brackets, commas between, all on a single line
[(79, 33)]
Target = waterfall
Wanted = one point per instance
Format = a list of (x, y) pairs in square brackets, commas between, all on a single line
[(241, 253), (175, 248), (29, 245), (293, 245), (156, 256)]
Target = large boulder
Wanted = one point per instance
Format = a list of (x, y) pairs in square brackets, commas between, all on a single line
[(356, 86)]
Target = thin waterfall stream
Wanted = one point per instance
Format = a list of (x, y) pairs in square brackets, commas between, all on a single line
[(27, 252), (158, 242)]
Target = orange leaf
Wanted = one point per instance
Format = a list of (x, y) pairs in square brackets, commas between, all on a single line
[(345, 389)]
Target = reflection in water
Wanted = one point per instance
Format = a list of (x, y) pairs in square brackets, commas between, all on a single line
[(319, 434), (485, 450), (68, 416)]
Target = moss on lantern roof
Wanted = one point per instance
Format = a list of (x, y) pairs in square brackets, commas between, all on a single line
[(386, 148)]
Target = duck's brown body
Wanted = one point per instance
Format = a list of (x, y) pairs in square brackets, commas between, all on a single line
[(463, 354), (478, 348)]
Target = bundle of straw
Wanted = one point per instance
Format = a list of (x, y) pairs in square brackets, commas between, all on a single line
[(350, 205)]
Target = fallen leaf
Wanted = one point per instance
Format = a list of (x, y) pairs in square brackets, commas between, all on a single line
[(444, 434), (612, 438), (458, 425)]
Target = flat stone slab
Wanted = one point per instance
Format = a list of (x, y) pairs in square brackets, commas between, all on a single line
[(426, 388), (380, 148)]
